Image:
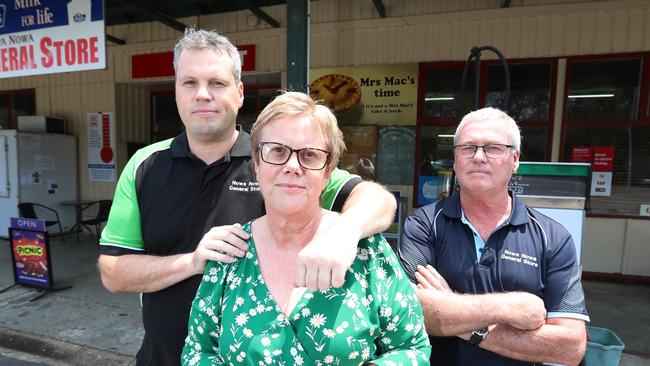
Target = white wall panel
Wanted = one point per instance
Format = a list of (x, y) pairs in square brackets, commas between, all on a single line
[(558, 35), (637, 248), (603, 33), (602, 245), (646, 34)]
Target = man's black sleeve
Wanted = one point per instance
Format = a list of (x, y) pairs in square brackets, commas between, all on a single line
[(417, 246)]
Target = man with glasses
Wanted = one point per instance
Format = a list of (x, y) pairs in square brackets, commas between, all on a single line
[(498, 281), (176, 200)]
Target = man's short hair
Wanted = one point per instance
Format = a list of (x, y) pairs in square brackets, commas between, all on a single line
[(295, 104), (493, 114), (199, 40)]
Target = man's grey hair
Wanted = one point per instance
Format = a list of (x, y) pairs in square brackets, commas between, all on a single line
[(199, 40), (492, 114)]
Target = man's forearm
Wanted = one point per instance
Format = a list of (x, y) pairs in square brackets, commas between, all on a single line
[(552, 343), (143, 273), (450, 314), (369, 207)]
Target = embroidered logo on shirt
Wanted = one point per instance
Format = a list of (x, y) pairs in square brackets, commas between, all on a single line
[(240, 186), (519, 258)]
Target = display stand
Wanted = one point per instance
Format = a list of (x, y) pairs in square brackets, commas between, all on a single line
[(557, 190), (30, 254)]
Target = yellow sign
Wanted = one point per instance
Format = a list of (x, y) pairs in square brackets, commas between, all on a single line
[(377, 95), (29, 250)]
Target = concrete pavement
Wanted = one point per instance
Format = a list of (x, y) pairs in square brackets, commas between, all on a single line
[(87, 325), (76, 325)]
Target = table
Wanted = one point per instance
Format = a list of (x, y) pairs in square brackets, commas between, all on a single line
[(78, 205)]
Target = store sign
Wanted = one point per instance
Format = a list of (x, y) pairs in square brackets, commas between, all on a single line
[(30, 252), (151, 65), (378, 95), (101, 147), (602, 168), (581, 154), (51, 36)]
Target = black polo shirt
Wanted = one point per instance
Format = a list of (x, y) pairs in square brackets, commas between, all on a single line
[(165, 201)]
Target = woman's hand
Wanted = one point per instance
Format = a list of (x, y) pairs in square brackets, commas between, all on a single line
[(220, 244)]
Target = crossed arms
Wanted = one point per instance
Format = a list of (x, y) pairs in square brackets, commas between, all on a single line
[(517, 321)]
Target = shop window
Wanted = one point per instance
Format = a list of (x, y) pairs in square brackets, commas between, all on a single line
[(16, 103), (603, 127), (603, 90), (530, 90), (534, 141), (254, 101), (529, 104), (166, 121), (627, 187), (259, 91), (435, 165), (442, 91), (4, 112)]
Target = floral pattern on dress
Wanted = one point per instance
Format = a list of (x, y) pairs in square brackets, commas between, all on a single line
[(374, 317)]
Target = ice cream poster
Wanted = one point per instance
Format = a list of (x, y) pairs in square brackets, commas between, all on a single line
[(30, 257)]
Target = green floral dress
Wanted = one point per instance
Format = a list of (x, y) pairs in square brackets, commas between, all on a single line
[(375, 317)]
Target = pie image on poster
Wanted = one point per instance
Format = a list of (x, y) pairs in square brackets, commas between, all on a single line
[(339, 92)]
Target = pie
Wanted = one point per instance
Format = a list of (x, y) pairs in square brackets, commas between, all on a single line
[(339, 92)]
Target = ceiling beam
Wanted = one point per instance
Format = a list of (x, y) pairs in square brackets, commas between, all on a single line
[(250, 5), (157, 14), (115, 40), (505, 4), (381, 9)]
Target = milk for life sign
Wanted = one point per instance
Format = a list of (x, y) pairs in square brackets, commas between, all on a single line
[(50, 36)]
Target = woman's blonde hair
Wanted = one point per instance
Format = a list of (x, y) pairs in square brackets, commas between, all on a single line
[(295, 104)]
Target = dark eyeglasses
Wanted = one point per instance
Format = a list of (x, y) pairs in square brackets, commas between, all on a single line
[(308, 157), (492, 151)]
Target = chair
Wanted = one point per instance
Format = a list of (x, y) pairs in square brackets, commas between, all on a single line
[(28, 211), (103, 207)]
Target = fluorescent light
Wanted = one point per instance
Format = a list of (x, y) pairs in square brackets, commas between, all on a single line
[(591, 96), (445, 135), (435, 99)]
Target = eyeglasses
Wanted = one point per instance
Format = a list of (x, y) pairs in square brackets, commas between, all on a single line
[(278, 154), (492, 151)]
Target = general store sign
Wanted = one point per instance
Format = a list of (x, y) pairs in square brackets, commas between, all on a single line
[(51, 36)]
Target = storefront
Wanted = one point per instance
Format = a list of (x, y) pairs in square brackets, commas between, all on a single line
[(580, 76)]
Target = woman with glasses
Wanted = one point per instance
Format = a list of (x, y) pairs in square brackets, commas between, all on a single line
[(250, 311)]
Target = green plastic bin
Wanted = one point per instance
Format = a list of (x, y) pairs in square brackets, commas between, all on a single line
[(604, 347)]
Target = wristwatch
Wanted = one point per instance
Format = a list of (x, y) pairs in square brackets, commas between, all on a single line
[(478, 336)]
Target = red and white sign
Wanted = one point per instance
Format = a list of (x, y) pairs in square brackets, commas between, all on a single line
[(101, 147), (47, 36), (602, 171), (603, 159), (151, 65), (581, 154)]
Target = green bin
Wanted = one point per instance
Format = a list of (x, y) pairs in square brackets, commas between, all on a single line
[(604, 347)]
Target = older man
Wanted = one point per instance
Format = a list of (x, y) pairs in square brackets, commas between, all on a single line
[(498, 281)]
